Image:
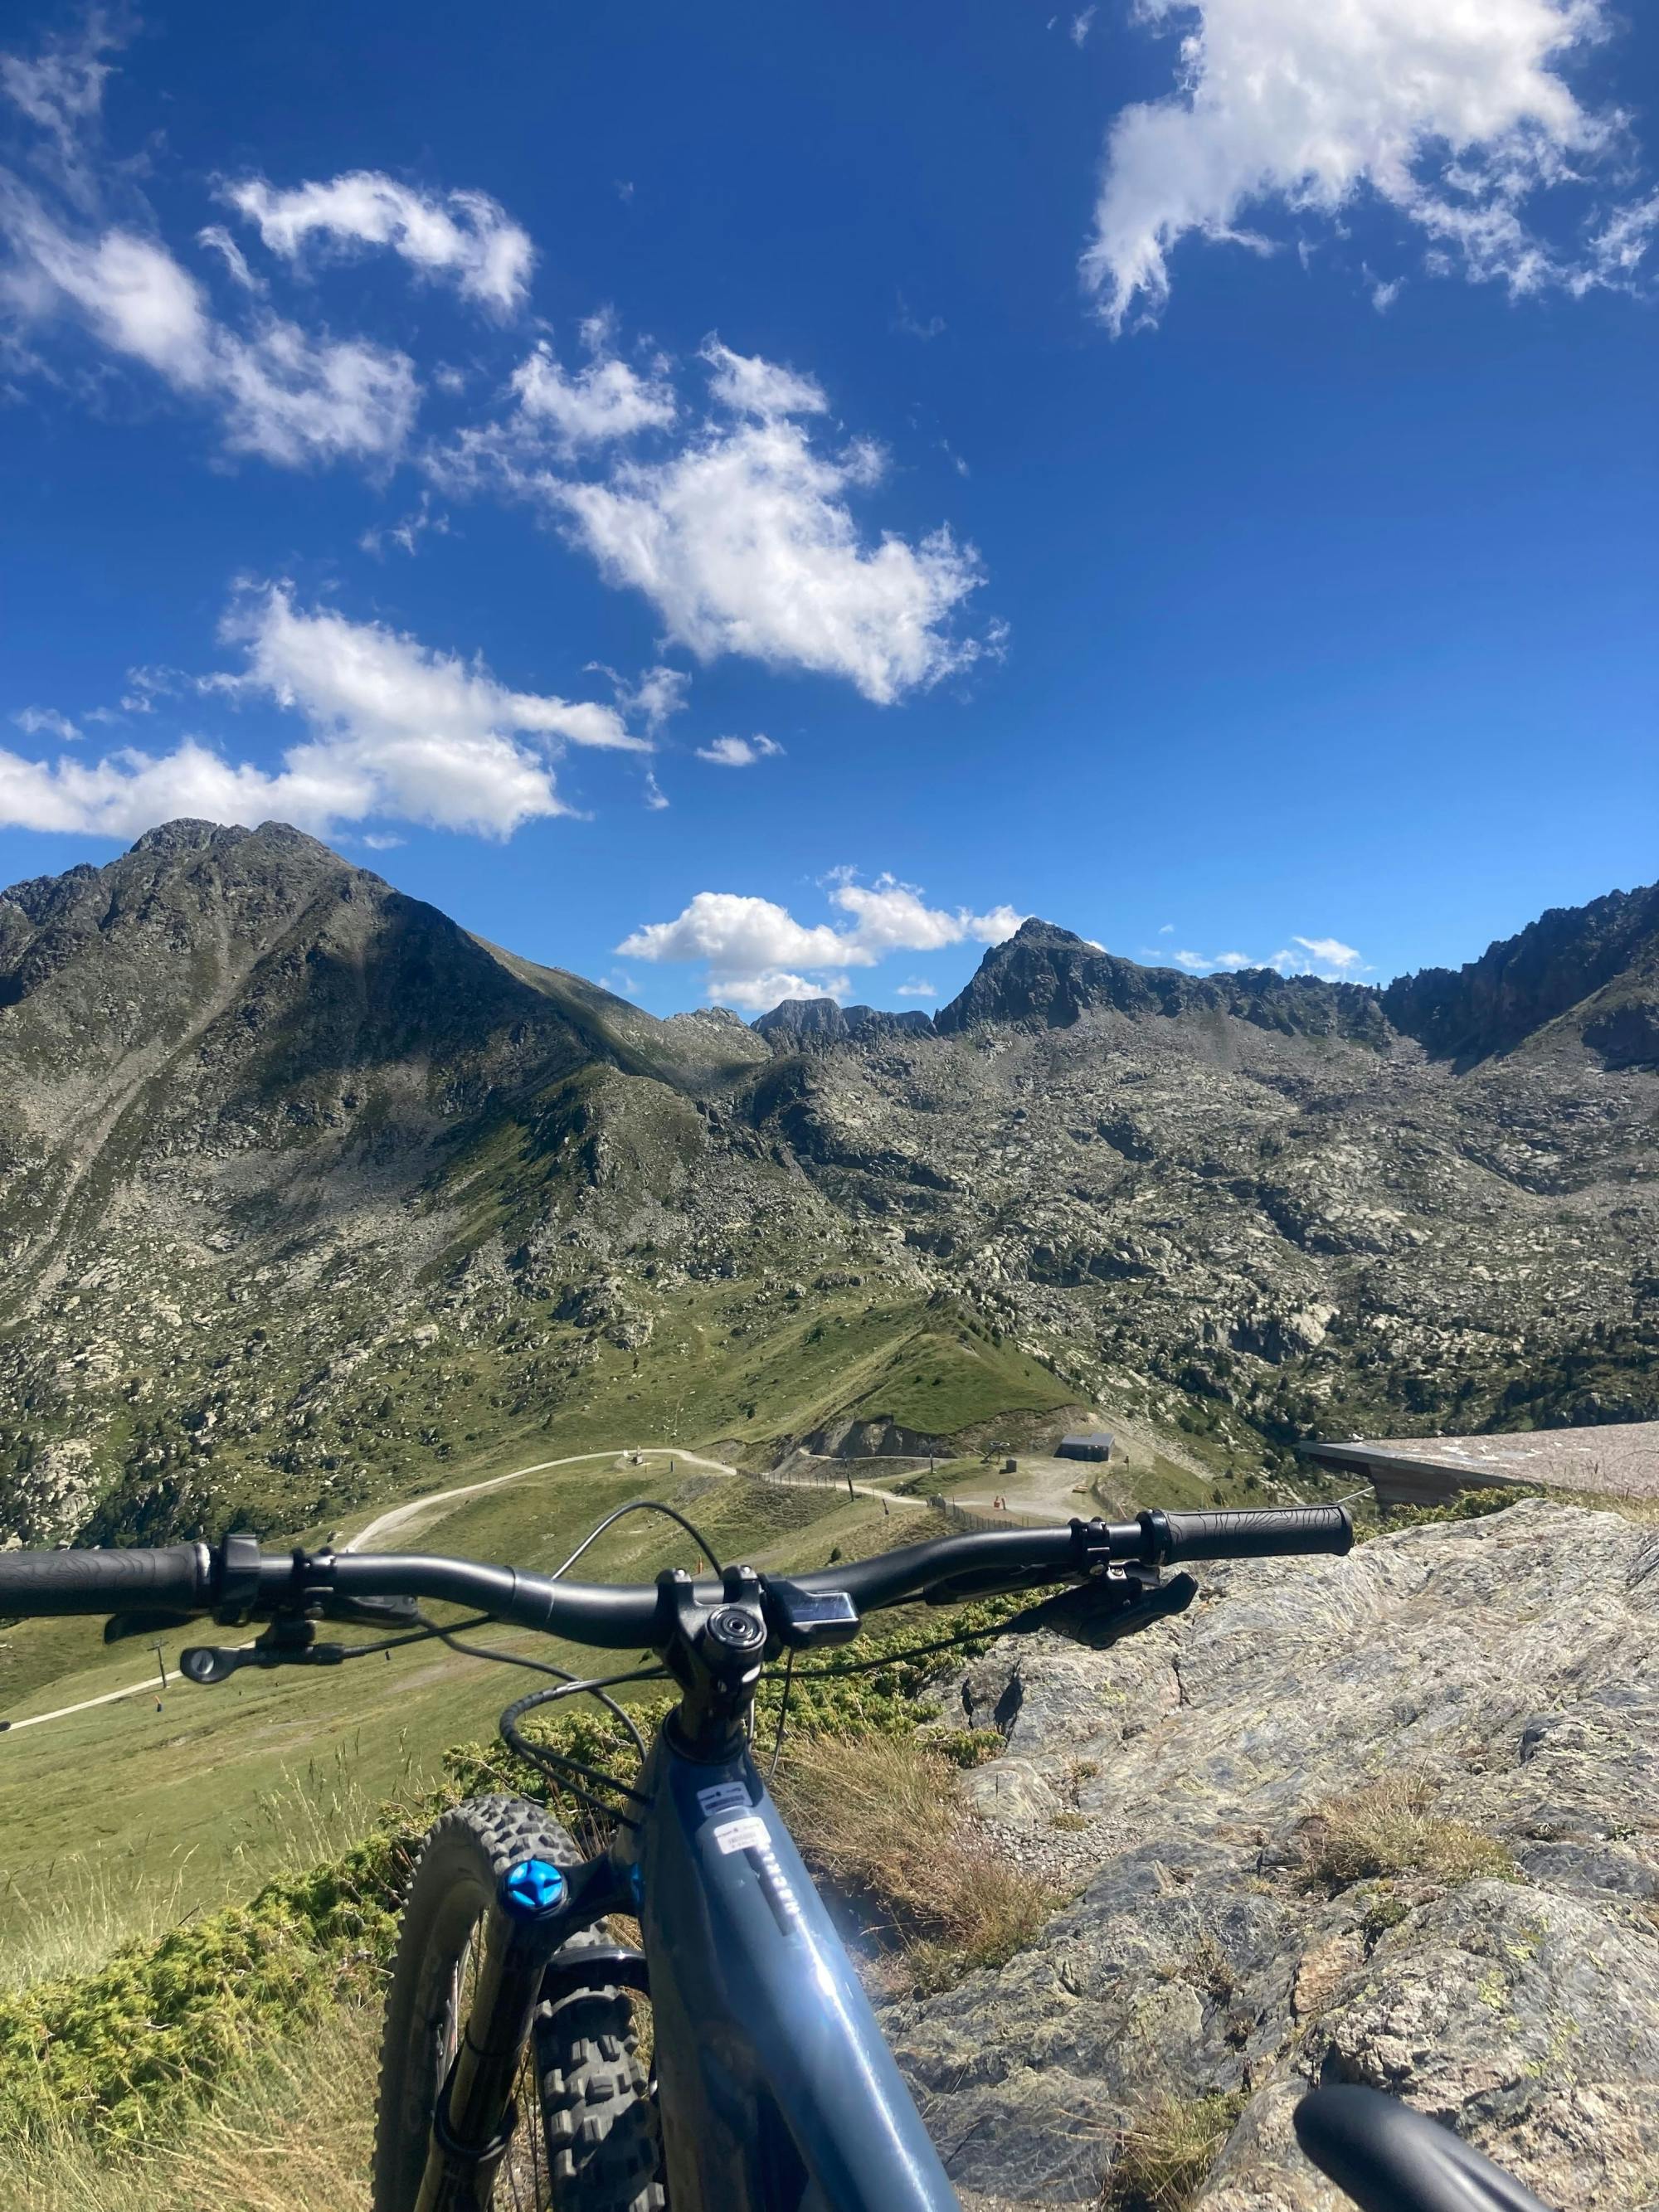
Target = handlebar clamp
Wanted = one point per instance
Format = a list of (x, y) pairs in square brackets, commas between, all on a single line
[(239, 1579)]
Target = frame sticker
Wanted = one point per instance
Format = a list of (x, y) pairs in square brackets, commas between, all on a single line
[(747, 1834), (724, 1797)]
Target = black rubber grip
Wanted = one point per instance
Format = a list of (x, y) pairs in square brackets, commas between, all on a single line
[(1389, 2159), (1269, 1534), (173, 1580)]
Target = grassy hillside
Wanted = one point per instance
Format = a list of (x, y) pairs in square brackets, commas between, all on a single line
[(945, 1375), (124, 1816)]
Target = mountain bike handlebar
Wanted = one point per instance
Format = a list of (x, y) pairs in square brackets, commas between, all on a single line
[(236, 1581)]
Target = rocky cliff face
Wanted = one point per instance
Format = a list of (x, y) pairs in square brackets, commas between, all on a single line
[(1392, 1819), (295, 1173), (814, 1022), (1594, 969), (1045, 978)]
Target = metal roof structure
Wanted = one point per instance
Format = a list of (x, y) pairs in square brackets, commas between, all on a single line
[(1097, 1444)]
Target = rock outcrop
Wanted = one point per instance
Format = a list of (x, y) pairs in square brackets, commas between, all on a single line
[(1044, 977), (1595, 966), (1495, 1959), (798, 1023)]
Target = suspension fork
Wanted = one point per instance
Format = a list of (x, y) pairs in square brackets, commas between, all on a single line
[(536, 1909)]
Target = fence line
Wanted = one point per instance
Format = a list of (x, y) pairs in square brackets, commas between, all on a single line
[(967, 1517)]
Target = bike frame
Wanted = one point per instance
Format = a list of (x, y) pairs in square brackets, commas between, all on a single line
[(776, 2090)]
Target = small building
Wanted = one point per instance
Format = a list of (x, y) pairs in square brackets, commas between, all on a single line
[(1619, 1459), (1095, 1447)]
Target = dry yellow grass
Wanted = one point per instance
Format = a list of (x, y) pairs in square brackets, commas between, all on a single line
[(294, 2135), (1389, 1829), (880, 1817), (1167, 2151)]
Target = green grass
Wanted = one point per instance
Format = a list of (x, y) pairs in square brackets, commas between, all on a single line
[(123, 1805), (137, 2045), (945, 1375)]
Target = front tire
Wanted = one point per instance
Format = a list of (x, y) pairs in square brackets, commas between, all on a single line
[(587, 2138)]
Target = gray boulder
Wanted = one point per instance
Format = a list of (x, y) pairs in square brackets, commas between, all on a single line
[(1511, 1667)]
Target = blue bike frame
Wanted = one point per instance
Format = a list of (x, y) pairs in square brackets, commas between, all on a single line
[(776, 2091)]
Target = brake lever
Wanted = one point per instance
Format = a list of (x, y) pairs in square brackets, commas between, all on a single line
[(286, 1643), (1107, 1608)]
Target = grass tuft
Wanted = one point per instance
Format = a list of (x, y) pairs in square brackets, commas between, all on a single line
[(292, 2135), (879, 1817), (1165, 2155), (1388, 1829)]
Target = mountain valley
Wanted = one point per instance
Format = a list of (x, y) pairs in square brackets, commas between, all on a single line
[(305, 1193)]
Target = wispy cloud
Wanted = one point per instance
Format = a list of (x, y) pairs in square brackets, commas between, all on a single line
[(47, 722), (738, 752), (464, 238), (1462, 121), (1326, 957)]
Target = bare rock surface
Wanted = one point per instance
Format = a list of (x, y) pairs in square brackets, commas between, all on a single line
[(1509, 1668)]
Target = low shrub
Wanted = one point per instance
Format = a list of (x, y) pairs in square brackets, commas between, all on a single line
[(131, 2049), (1467, 1505), (125, 2051)]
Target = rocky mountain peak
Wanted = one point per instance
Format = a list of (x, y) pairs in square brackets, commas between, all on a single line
[(1600, 963), (1045, 977), (804, 1023), (187, 835)]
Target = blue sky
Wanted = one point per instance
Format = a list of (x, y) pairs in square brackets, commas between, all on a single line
[(747, 501)]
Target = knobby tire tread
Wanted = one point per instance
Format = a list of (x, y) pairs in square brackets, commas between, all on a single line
[(597, 2115)]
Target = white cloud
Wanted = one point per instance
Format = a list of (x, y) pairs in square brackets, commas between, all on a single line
[(218, 240), (363, 677), (605, 401), (278, 391), (738, 752), (759, 994), (890, 916), (464, 236), (1324, 956), (47, 722), (408, 531), (294, 394), (750, 385), (753, 946), (737, 936), (1205, 964), (1329, 951), (61, 88), (658, 693), (1454, 115), (293, 398), (744, 541), (1082, 24), (395, 729), (910, 324), (654, 798), (743, 536), (917, 988)]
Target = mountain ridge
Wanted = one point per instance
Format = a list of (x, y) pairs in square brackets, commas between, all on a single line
[(305, 1188), (1046, 976)]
